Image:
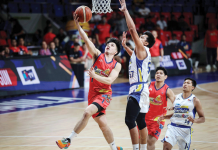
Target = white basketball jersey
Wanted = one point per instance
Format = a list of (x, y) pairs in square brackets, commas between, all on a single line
[(182, 109), (139, 70)]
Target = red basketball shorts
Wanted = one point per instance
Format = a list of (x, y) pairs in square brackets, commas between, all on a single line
[(153, 128), (102, 99)]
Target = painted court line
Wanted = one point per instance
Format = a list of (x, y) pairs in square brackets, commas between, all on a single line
[(83, 137), (206, 90)]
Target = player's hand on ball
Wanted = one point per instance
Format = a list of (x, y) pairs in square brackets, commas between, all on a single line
[(91, 72), (124, 39), (191, 119), (76, 19), (160, 119), (123, 5)]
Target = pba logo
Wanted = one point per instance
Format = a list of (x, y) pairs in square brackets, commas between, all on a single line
[(181, 64), (28, 75)]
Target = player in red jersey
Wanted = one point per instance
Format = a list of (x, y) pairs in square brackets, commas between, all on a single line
[(104, 71), (159, 92)]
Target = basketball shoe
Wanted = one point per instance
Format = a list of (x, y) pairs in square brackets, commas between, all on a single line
[(119, 148), (64, 143)]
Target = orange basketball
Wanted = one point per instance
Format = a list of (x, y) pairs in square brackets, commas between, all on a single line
[(84, 13)]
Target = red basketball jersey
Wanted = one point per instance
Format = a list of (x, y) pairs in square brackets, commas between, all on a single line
[(158, 100), (102, 68)]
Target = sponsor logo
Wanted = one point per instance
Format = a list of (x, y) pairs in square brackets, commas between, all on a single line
[(150, 89), (181, 64), (167, 137), (107, 98), (177, 105), (166, 62), (101, 72), (180, 115), (156, 101), (7, 78), (28, 75), (101, 60), (189, 100)]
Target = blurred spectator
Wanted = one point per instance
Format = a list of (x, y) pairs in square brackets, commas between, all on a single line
[(173, 24), (44, 50), (61, 35), (88, 56), (112, 22), (149, 25), (8, 52), (133, 11), (75, 55), (121, 56), (23, 49), (121, 24), (48, 37), (53, 49), (17, 30), (58, 47), (14, 49), (2, 53), (95, 18), (211, 43), (47, 27), (186, 47), (37, 37), (174, 40), (102, 46), (156, 50), (162, 23), (160, 35), (103, 30), (182, 24), (144, 11)]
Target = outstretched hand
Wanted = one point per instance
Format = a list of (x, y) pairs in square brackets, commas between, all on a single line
[(124, 39), (91, 72), (123, 5), (160, 119), (76, 19)]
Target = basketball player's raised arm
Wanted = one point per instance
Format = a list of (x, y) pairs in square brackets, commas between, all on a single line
[(141, 53), (91, 47), (200, 112), (171, 95), (106, 80), (128, 50)]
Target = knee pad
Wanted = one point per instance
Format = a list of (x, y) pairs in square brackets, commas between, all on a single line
[(141, 121), (130, 122)]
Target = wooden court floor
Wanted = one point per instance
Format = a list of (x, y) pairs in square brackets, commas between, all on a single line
[(38, 129)]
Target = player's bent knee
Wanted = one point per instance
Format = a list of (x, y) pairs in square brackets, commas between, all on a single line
[(87, 114), (130, 122), (167, 146), (141, 121)]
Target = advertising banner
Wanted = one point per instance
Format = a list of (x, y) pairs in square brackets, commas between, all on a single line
[(35, 74)]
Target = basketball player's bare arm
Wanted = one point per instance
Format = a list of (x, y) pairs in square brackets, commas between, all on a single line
[(200, 112), (128, 50), (106, 80), (171, 95), (140, 50), (91, 47), (164, 117)]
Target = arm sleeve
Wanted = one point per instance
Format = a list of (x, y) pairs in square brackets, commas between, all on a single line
[(161, 46)]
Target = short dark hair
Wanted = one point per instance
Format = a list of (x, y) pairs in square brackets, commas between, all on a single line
[(76, 44), (150, 38), (163, 69), (116, 41), (194, 83)]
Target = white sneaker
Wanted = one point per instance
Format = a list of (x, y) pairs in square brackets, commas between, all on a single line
[(214, 67), (208, 67)]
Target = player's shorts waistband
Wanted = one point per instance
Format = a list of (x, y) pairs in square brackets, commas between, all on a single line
[(180, 126), (137, 83)]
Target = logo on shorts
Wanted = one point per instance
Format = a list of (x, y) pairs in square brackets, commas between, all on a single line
[(107, 98), (166, 136)]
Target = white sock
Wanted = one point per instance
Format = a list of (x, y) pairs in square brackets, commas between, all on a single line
[(113, 146), (196, 64), (135, 146), (72, 135), (143, 146)]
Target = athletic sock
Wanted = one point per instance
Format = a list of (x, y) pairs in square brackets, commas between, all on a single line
[(72, 135), (196, 64), (135, 146), (143, 146), (113, 146)]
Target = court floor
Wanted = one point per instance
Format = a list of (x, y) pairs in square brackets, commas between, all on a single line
[(36, 121)]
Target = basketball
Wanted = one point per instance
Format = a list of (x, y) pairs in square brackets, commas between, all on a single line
[(84, 13)]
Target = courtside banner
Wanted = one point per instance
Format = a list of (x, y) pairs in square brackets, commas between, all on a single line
[(36, 74)]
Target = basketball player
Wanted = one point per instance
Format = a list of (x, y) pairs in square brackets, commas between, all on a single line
[(104, 71), (186, 105), (159, 92), (139, 70)]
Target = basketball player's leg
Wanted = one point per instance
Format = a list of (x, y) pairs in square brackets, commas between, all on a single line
[(140, 120), (132, 111), (167, 146), (151, 142)]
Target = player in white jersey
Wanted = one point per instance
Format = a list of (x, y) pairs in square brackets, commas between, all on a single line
[(185, 107), (139, 70)]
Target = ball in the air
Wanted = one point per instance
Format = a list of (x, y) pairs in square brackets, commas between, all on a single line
[(84, 13)]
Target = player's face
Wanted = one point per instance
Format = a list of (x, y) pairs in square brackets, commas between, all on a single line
[(187, 86), (111, 48), (143, 38), (160, 76)]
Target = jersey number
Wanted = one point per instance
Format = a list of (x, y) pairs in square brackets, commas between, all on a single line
[(149, 67), (139, 88)]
